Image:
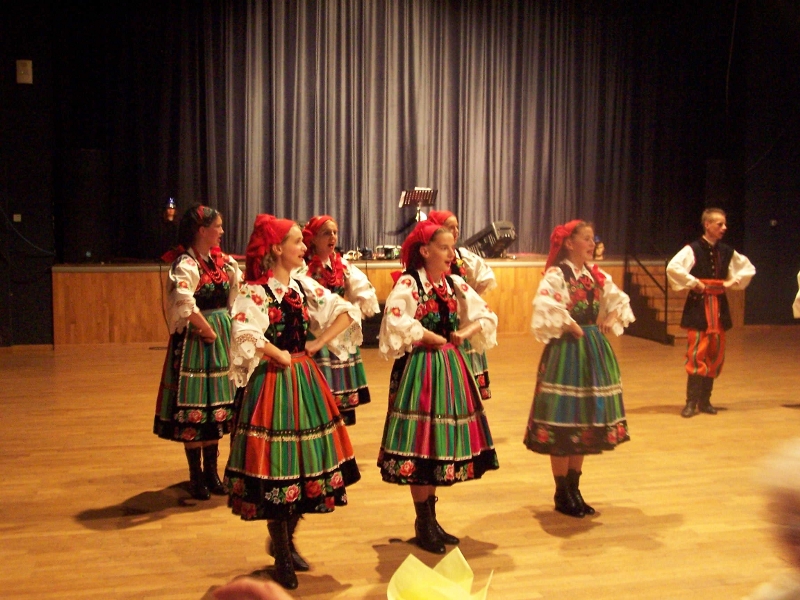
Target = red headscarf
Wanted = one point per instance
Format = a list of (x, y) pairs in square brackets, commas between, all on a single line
[(560, 233), (439, 216), (267, 231), (312, 229), (421, 234)]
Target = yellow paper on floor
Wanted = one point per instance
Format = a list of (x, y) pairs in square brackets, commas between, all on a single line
[(451, 579)]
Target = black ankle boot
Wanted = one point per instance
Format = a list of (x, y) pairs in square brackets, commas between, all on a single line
[(425, 528), (300, 563), (446, 537), (197, 488), (573, 481), (565, 501), (210, 476), (284, 568), (694, 392), (704, 405)]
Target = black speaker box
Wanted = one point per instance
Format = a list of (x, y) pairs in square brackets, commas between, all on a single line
[(85, 218)]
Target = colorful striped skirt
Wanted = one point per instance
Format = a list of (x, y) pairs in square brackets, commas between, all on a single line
[(436, 432), (195, 396), (479, 367), (577, 407), (290, 452), (347, 381)]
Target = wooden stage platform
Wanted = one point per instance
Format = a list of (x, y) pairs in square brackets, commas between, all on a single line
[(119, 303), (93, 504)]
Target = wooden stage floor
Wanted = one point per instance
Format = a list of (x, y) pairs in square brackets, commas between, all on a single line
[(93, 504)]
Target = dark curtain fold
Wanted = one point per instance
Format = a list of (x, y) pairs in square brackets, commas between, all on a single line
[(533, 112)]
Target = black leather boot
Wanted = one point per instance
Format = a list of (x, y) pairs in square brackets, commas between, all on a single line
[(284, 568), (704, 405), (446, 537), (694, 391), (197, 488), (210, 476), (425, 528), (573, 481), (565, 502), (300, 563)]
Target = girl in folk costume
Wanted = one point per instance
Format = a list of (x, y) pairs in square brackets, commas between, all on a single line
[(796, 303), (290, 452), (577, 406), (195, 397), (436, 433), (327, 267), (474, 270)]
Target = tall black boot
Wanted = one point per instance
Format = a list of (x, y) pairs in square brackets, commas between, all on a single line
[(694, 391), (425, 528), (565, 502), (284, 568), (704, 405), (573, 481), (300, 563), (446, 537), (210, 476), (197, 488)]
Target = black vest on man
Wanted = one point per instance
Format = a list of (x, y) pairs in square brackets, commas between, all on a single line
[(710, 262)]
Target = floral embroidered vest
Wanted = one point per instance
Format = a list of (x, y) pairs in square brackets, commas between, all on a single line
[(436, 314), (584, 296), (288, 320)]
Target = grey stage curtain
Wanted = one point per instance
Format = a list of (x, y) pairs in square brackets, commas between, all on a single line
[(513, 110)]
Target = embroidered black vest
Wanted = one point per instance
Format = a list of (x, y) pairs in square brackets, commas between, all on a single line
[(710, 262)]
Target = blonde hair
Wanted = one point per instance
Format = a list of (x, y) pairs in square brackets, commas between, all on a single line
[(706, 216)]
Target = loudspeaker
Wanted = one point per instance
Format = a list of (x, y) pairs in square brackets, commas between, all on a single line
[(493, 240), (85, 218)]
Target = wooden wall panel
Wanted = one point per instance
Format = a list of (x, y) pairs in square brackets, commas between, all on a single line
[(108, 307), (95, 305)]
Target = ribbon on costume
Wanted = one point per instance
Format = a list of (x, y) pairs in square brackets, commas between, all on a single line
[(172, 254), (598, 275)]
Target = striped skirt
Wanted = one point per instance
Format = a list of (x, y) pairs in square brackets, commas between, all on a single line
[(577, 407), (479, 367), (347, 381), (195, 396), (436, 432), (290, 452)]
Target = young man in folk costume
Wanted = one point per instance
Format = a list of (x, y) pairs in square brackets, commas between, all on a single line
[(707, 268)]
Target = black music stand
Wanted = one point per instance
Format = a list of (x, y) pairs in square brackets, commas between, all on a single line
[(418, 197)]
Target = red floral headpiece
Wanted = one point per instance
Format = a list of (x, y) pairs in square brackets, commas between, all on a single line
[(267, 231), (421, 234), (560, 233), (312, 229), (439, 216)]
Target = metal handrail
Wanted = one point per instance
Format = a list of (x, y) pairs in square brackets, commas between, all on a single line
[(664, 289)]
